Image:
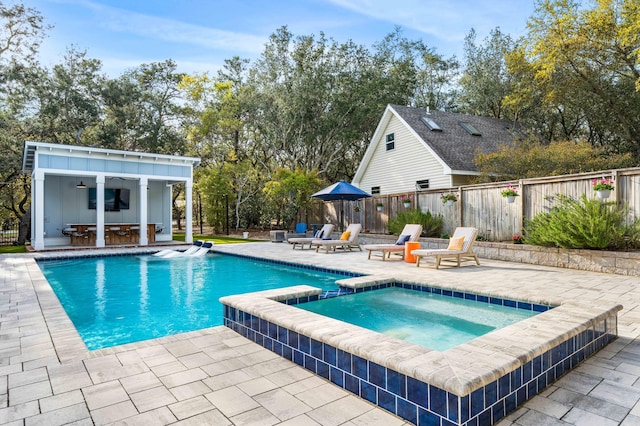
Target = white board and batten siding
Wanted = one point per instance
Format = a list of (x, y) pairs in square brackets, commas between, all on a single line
[(397, 170)]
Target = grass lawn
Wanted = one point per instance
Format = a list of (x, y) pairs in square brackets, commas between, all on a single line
[(177, 237), (13, 249)]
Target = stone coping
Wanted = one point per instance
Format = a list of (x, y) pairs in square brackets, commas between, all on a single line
[(459, 370)]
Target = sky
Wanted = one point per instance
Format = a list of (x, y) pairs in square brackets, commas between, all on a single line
[(200, 34)]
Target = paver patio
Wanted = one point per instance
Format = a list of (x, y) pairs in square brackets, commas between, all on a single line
[(214, 376)]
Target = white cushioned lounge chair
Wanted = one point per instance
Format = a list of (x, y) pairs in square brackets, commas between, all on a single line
[(324, 232), (200, 251), (460, 249), (410, 232), (349, 243), (194, 248)]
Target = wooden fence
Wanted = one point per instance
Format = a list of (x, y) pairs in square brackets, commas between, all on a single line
[(481, 206)]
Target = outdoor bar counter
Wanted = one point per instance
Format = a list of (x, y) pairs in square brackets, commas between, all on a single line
[(114, 233)]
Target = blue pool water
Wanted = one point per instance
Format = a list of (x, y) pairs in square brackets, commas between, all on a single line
[(123, 299), (426, 319)]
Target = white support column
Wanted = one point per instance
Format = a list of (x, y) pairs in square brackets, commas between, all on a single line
[(144, 237), (100, 211), (38, 214), (188, 195)]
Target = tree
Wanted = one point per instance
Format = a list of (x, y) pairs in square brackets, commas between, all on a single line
[(217, 112), (240, 185), (21, 32), (288, 192), (69, 101), (486, 79), (531, 158), (160, 109), (587, 62)]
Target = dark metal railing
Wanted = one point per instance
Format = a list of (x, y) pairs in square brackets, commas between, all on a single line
[(9, 233)]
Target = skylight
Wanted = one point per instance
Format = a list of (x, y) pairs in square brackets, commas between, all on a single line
[(432, 125), (470, 129)]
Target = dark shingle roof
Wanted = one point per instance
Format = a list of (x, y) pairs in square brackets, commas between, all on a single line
[(454, 145)]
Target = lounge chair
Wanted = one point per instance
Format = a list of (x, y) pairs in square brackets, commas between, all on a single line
[(194, 248), (410, 232), (202, 250), (324, 232), (347, 241), (460, 248)]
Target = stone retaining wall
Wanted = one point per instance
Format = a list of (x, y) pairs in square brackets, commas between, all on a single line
[(612, 262)]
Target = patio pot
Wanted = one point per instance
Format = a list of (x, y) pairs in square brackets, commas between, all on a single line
[(510, 199), (448, 203), (379, 208), (603, 194), (407, 205)]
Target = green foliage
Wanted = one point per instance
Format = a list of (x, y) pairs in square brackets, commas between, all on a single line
[(582, 62), (431, 224), (584, 224), (531, 158), (287, 192), (485, 81)]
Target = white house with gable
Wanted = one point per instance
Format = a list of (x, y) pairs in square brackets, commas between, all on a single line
[(416, 149), (85, 196)]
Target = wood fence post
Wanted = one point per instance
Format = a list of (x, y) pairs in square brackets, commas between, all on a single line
[(460, 208)]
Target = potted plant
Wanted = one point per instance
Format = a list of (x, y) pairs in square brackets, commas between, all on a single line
[(356, 208), (517, 239), (449, 198), (510, 193), (603, 187), (407, 203), (379, 206)]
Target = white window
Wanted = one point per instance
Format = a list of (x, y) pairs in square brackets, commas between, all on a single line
[(422, 184), (391, 144)]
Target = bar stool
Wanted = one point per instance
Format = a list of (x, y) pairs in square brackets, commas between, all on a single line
[(77, 237), (134, 231), (123, 235), (68, 231), (91, 234), (113, 232)]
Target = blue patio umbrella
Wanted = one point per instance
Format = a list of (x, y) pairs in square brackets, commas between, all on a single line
[(341, 191)]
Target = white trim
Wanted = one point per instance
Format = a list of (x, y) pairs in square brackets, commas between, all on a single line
[(188, 211), (445, 166), (83, 151), (100, 211), (38, 224), (378, 137), (144, 236)]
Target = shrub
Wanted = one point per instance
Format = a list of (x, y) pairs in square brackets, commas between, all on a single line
[(431, 224), (584, 224)]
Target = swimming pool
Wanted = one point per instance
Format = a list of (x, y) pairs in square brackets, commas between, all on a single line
[(431, 320), (122, 299)]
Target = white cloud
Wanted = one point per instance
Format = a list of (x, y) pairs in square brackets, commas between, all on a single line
[(170, 30), (447, 20)]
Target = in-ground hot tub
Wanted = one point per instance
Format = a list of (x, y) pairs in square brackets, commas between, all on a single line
[(475, 383)]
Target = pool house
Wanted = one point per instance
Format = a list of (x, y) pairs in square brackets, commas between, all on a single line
[(86, 196)]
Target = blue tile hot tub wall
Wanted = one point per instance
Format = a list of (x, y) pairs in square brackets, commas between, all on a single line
[(418, 402)]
